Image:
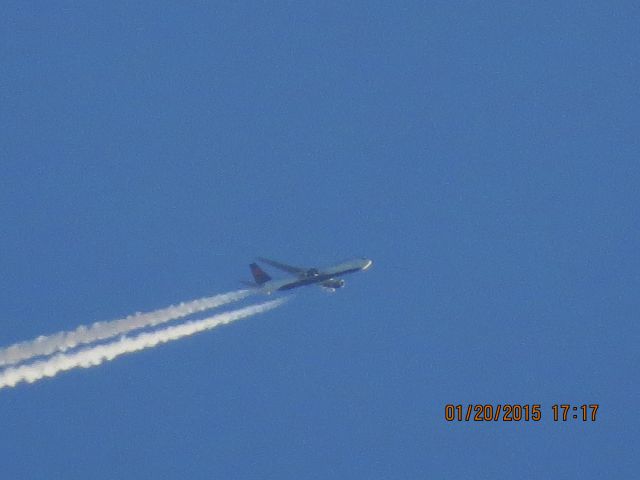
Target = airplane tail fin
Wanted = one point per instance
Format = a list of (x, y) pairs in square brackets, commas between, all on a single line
[(259, 275)]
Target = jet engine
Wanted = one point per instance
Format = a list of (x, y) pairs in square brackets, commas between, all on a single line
[(332, 284)]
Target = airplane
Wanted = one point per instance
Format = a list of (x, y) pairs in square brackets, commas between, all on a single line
[(326, 277)]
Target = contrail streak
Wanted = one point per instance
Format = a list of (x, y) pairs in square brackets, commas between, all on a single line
[(92, 356), (62, 341)]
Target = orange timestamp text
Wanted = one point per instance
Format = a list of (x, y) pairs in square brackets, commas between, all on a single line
[(515, 412)]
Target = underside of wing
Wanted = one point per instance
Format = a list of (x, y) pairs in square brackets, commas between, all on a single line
[(284, 267)]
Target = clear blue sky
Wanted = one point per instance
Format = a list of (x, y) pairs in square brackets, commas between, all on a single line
[(484, 156)]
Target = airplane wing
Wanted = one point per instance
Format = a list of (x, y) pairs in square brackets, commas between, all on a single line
[(284, 267)]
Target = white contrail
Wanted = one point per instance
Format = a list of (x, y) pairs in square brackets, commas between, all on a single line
[(92, 356), (62, 341)]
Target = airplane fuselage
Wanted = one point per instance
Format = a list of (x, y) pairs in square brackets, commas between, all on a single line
[(326, 277)]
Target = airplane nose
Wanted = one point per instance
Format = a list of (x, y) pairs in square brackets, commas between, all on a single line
[(367, 263)]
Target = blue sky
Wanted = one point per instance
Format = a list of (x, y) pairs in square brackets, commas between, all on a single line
[(484, 156)]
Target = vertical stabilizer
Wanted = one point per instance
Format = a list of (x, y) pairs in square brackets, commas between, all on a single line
[(259, 275)]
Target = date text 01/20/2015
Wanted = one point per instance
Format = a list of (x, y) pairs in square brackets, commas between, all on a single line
[(511, 412)]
